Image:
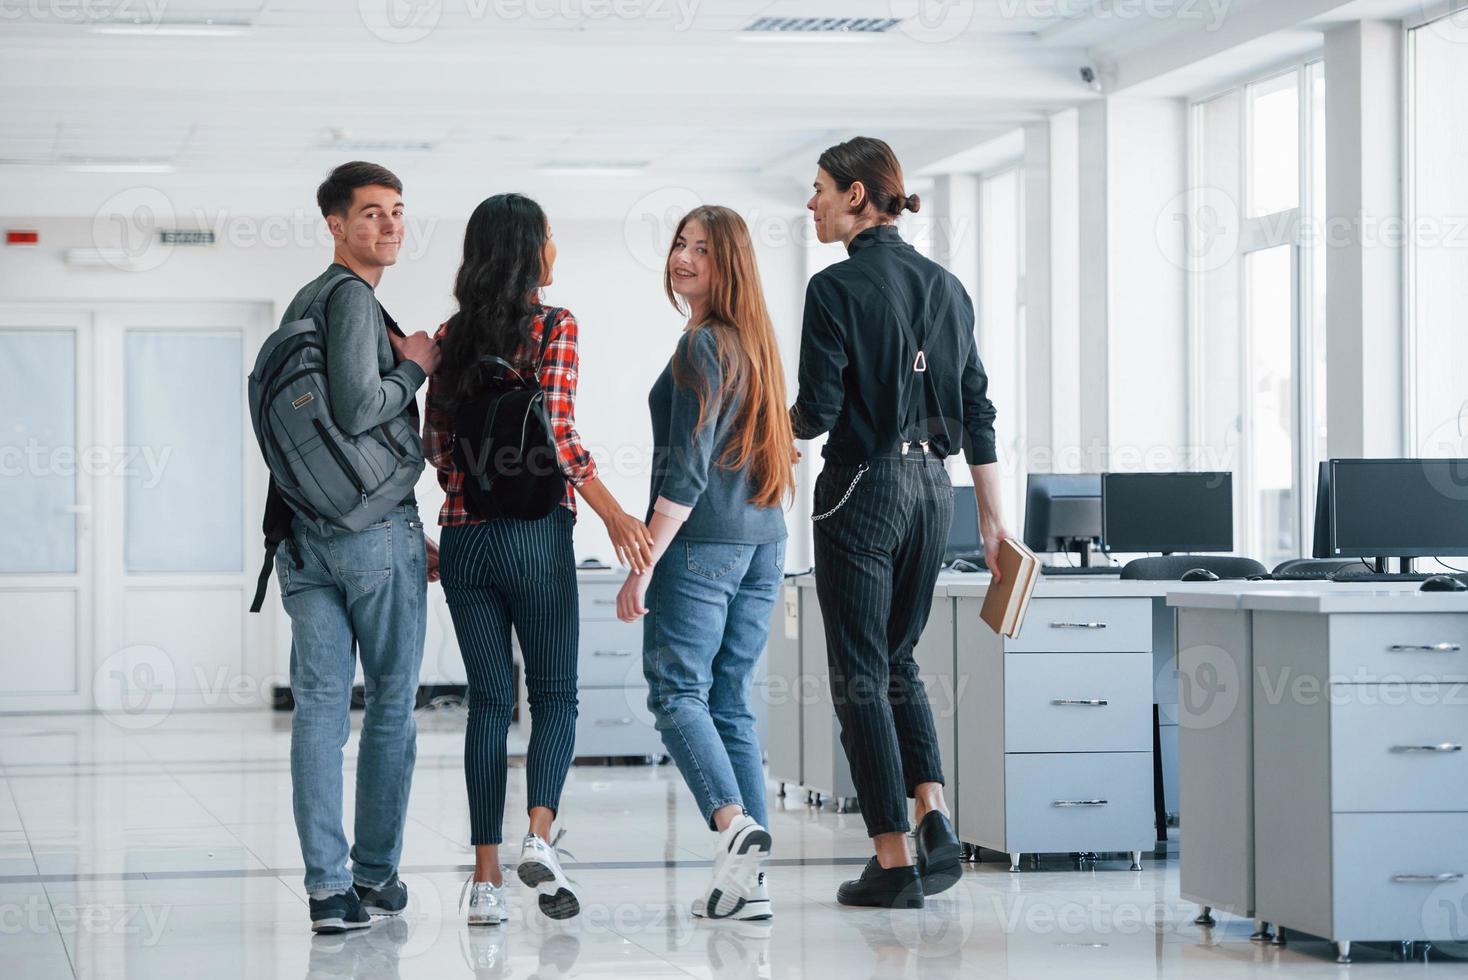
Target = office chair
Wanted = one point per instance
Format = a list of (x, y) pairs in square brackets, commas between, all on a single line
[(1313, 566), (1170, 568)]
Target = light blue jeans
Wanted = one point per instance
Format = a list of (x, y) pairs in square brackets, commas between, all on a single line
[(367, 589), (708, 620)]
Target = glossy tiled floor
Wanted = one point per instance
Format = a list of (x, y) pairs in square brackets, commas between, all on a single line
[(166, 849)]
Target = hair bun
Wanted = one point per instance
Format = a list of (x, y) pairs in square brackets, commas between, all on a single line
[(912, 203)]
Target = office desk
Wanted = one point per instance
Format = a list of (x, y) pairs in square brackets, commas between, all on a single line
[(1360, 779), (805, 737), (1215, 655)]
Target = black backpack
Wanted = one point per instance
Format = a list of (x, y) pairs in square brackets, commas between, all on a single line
[(504, 445)]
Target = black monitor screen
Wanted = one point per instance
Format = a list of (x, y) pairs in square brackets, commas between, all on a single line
[(1398, 507), (1169, 512), (1062, 509), (963, 534)]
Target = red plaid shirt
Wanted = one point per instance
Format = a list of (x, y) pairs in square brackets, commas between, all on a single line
[(558, 379)]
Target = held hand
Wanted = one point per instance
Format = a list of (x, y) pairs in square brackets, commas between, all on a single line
[(632, 540), (416, 347), (630, 601), (432, 547), (992, 538)]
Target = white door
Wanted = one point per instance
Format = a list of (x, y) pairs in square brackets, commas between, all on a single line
[(134, 491)]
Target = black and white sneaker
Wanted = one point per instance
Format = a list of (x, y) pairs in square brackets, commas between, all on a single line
[(756, 909), (388, 899), (540, 868), (338, 913), (737, 878)]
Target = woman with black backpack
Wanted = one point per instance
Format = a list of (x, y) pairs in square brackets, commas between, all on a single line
[(506, 558)]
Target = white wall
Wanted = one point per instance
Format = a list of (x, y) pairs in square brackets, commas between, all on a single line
[(628, 330)]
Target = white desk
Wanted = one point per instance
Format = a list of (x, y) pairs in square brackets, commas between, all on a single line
[(1360, 779)]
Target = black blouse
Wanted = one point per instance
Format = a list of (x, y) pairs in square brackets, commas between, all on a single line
[(864, 321)]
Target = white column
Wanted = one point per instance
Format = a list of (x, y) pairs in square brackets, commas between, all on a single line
[(1363, 200), (1035, 286)]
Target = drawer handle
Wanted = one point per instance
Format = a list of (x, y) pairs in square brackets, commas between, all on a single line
[(611, 653), (1440, 747), (1428, 879), (1078, 626), (1080, 803), (1090, 703), (1424, 648), (604, 602), (613, 722)]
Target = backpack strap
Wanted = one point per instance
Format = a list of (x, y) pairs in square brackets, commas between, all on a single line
[(548, 317), (277, 528)]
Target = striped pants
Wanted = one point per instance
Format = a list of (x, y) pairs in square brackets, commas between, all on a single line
[(523, 574), (877, 560)]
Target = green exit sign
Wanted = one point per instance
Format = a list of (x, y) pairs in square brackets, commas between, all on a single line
[(185, 237)]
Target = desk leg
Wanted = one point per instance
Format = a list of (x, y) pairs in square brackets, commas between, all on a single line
[(1014, 857), (1159, 798), (1205, 917)]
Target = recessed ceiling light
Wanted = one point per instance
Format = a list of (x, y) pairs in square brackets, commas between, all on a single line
[(817, 29), (570, 169), (174, 30), (121, 167)]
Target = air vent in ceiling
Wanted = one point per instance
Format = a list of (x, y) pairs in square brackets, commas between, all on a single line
[(823, 25)]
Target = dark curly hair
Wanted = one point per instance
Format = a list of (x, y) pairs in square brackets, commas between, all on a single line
[(504, 247)]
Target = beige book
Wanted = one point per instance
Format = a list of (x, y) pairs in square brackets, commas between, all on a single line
[(1006, 602)]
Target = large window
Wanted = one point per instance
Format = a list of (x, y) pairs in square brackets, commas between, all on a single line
[(1257, 301), (1000, 320), (1437, 293)]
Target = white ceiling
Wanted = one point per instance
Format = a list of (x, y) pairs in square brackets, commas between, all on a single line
[(465, 97)]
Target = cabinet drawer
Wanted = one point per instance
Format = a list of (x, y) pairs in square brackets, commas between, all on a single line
[(1399, 747), (1078, 702), (1384, 648), (1094, 801), (616, 722), (1084, 626), (1398, 876), (610, 654), (599, 600)]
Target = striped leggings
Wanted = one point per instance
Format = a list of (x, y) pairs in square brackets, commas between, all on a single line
[(523, 574)]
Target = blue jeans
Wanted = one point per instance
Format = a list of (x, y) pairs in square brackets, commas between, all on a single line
[(367, 588), (708, 618)]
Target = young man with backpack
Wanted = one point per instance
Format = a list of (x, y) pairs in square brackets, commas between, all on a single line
[(341, 440)]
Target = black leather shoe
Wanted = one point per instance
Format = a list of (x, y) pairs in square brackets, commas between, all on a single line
[(883, 888), (939, 854)]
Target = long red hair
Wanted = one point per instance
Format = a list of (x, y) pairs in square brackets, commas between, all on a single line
[(748, 355)]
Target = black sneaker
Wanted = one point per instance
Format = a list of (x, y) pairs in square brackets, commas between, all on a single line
[(390, 899), (338, 913), (884, 888), (939, 854)]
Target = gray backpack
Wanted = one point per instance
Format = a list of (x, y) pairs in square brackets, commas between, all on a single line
[(323, 474)]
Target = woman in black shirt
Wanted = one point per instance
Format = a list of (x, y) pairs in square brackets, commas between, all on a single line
[(890, 368)]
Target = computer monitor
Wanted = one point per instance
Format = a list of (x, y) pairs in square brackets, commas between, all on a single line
[(1320, 546), (1407, 508), (1063, 512), (1168, 512), (963, 534)]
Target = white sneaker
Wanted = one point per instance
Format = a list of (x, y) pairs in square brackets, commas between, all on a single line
[(540, 868), (486, 903), (737, 878), (756, 909)]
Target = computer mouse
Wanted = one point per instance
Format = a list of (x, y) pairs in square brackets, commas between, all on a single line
[(1199, 575), (1256, 578), (1442, 583)]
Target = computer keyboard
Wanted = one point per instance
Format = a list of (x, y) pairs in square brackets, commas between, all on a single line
[(1365, 575), (1299, 577), (1080, 569)]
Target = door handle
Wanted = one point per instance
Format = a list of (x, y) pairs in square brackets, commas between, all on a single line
[(1078, 626), (1091, 703), (1440, 747), (1079, 803), (1427, 879), (1424, 648)]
